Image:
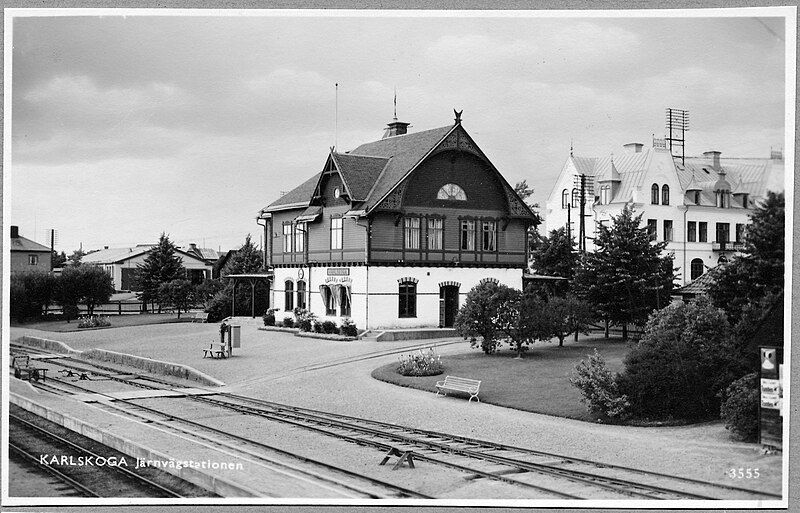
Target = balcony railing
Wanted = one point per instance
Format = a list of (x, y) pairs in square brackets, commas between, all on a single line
[(727, 246)]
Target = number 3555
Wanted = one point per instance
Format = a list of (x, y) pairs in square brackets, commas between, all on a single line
[(742, 473)]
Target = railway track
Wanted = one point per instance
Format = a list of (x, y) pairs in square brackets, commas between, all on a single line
[(92, 472), (338, 481), (549, 474)]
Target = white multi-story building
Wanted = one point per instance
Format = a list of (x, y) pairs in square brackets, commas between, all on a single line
[(701, 206)]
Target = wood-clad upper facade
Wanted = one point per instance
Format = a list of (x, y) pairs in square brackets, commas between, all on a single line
[(429, 198)]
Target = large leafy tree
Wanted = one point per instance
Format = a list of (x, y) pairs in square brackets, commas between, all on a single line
[(87, 284), (626, 277), (162, 265), (553, 255), (521, 318), (568, 314), (179, 294), (476, 318), (759, 271)]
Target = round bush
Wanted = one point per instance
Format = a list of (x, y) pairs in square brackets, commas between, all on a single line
[(288, 322), (740, 408)]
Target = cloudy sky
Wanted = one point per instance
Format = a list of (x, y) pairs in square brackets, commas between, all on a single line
[(126, 127)]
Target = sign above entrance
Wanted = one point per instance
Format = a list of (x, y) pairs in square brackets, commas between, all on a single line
[(338, 271)]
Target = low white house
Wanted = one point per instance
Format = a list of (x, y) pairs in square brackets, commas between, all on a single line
[(123, 263)]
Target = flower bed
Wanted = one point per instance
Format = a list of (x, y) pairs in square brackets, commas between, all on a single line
[(278, 328), (325, 336)]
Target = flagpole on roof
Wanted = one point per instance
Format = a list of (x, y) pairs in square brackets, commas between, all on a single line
[(336, 118)]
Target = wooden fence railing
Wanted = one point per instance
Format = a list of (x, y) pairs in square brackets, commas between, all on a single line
[(117, 308)]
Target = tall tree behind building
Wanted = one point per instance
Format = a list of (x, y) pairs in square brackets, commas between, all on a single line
[(162, 265)]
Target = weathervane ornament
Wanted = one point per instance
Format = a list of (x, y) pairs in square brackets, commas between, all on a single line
[(458, 115)]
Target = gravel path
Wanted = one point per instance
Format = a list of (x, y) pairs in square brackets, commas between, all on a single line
[(268, 366)]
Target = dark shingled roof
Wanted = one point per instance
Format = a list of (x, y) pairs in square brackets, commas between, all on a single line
[(359, 172), (373, 169), (23, 244), (702, 283), (404, 152), (300, 194)]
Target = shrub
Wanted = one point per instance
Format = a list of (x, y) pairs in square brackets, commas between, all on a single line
[(31, 293), (288, 322), (599, 388), (219, 306), (739, 409), (348, 328), (317, 327), (680, 365), (305, 319), (426, 363), (94, 321), (269, 317), (329, 327)]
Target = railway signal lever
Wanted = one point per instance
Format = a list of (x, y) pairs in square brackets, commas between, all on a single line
[(405, 456)]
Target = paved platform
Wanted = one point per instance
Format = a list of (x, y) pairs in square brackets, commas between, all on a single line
[(277, 366)]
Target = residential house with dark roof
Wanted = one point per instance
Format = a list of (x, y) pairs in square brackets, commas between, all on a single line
[(700, 205), (27, 255), (394, 233)]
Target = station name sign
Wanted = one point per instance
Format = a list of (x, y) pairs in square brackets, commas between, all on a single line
[(338, 271)]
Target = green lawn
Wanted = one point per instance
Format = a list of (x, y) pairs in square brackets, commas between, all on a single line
[(538, 383), (117, 321)]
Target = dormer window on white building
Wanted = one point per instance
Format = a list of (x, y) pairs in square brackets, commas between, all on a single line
[(451, 191), (665, 194), (605, 193), (654, 193)]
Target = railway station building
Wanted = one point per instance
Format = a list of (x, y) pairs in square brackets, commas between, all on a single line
[(394, 233), (700, 206)]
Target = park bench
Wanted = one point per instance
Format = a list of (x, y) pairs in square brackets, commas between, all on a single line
[(200, 316), (470, 386), (23, 369), (216, 350)]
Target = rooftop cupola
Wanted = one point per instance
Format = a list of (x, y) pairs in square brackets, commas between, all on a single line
[(722, 184), (395, 127)]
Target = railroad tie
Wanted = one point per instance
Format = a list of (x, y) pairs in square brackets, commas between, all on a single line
[(405, 456)]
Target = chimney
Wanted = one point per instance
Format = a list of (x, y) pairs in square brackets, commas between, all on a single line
[(14, 232), (633, 147), (714, 156), (395, 128), (105, 247)]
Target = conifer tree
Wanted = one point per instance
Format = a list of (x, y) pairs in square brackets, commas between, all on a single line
[(759, 271), (162, 265), (626, 277), (553, 255)]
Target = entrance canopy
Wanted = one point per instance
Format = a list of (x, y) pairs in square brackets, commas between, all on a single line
[(252, 279)]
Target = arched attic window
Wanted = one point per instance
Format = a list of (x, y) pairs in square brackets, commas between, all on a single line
[(451, 191), (565, 199), (665, 194), (654, 194)]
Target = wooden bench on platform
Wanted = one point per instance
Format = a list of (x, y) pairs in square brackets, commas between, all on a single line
[(216, 350), (470, 386), (200, 317), (23, 370)]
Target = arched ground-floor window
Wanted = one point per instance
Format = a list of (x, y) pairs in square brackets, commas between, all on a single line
[(697, 268), (288, 296)]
